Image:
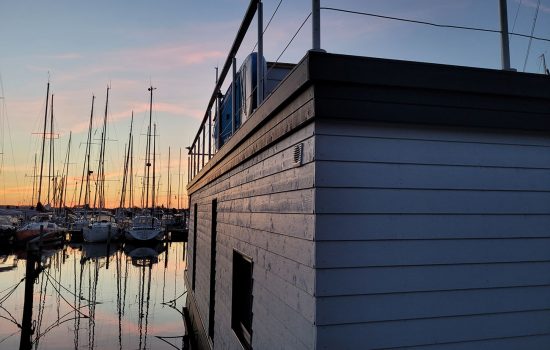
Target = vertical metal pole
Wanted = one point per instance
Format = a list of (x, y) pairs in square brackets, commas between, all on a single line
[(505, 48), (198, 153), (209, 134), (193, 162), (316, 24), (259, 60), (219, 116), (234, 98), (203, 143), (188, 168)]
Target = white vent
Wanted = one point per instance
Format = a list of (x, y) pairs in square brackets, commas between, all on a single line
[(298, 150)]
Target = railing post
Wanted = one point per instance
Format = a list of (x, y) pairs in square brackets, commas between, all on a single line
[(218, 114), (209, 134), (203, 143), (197, 158), (192, 162), (316, 24), (504, 38), (199, 153), (259, 61), (234, 98)]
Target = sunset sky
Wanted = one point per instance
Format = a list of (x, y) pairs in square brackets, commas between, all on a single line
[(175, 45)]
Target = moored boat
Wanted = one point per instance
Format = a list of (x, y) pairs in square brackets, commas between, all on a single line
[(145, 228), (32, 230), (103, 228)]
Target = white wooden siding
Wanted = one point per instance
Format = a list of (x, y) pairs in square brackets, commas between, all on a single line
[(431, 237)]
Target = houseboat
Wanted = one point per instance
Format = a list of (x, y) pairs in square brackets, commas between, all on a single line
[(369, 203)]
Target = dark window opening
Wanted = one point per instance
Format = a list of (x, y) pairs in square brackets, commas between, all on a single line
[(241, 308), (212, 269), (194, 273)]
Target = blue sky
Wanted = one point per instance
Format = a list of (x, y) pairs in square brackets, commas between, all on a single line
[(175, 45)]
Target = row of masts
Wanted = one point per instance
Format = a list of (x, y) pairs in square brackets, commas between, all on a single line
[(58, 185), (57, 190)]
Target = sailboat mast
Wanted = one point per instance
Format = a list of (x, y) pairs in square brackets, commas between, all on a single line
[(179, 180), (33, 180), (87, 194), (154, 157), (145, 178), (86, 167), (100, 178), (102, 193), (168, 194), (63, 199), (50, 164), (43, 143), (131, 199), (148, 157), (126, 166)]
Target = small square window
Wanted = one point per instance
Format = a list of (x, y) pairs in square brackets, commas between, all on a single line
[(241, 308)]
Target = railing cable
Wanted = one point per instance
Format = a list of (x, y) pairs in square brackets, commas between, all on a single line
[(439, 25)]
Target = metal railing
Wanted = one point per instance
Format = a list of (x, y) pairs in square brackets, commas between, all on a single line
[(201, 149)]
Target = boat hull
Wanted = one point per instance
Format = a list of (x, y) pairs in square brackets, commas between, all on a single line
[(145, 234), (100, 233), (26, 235)]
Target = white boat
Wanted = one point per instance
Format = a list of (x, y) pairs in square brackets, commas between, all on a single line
[(102, 229), (145, 228)]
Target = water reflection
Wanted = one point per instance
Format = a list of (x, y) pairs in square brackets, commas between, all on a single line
[(93, 296)]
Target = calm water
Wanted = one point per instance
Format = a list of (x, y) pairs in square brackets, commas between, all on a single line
[(90, 296)]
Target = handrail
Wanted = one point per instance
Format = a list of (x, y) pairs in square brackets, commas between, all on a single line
[(247, 20)]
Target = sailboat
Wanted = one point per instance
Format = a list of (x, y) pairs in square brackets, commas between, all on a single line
[(103, 226), (77, 227), (146, 227), (42, 225)]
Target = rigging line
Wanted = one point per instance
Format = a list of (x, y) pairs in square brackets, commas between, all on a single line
[(9, 336), (434, 24), (278, 58), (516, 16), (12, 321), (268, 23), (14, 286), (52, 326), (167, 342), (12, 318), (282, 53), (173, 300), (531, 36), (5, 297), (290, 42), (65, 300)]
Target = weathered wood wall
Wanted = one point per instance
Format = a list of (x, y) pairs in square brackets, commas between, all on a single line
[(265, 211)]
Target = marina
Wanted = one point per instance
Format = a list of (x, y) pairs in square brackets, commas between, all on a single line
[(301, 199), (93, 296)]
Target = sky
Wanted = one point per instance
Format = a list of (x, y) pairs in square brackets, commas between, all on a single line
[(175, 45)]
